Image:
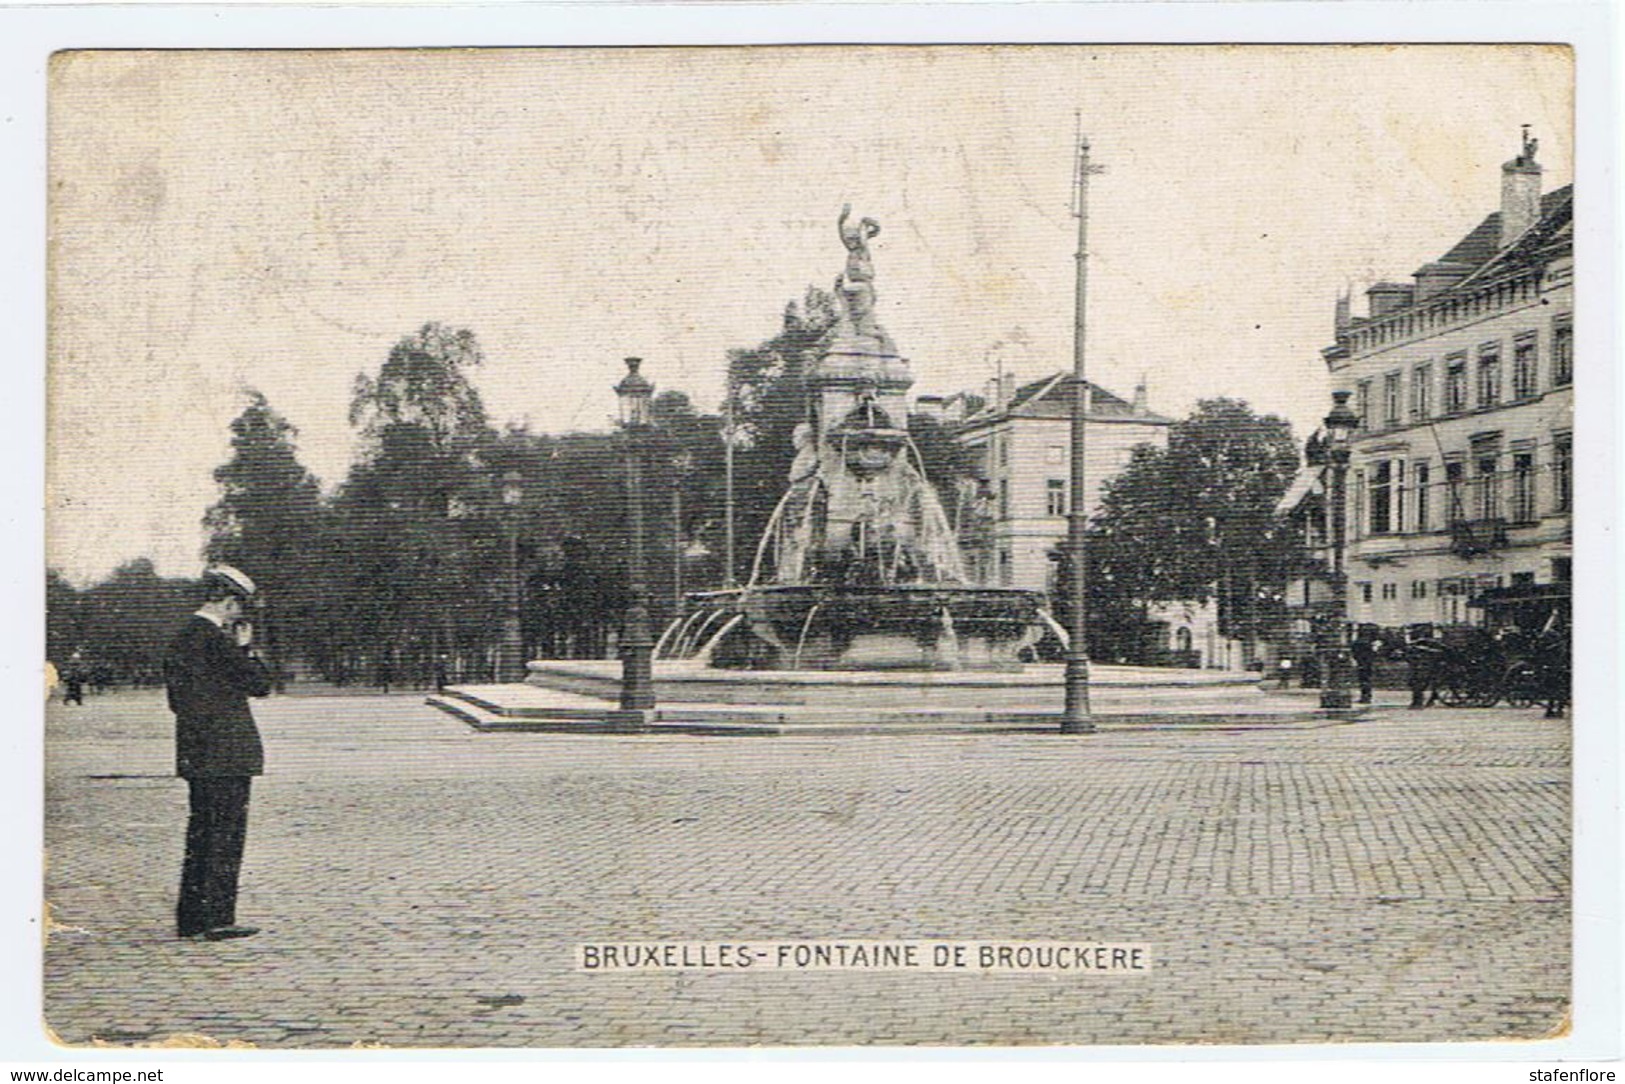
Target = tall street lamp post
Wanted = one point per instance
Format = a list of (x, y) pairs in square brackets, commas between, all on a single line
[(513, 648), (637, 641), (1340, 425), (1076, 717)]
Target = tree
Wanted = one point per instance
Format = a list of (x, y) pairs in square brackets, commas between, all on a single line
[(414, 555), (267, 522), (127, 620), (424, 383), (1196, 522), (63, 634)]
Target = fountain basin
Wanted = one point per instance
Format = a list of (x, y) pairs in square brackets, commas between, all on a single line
[(1034, 688), (846, 627)]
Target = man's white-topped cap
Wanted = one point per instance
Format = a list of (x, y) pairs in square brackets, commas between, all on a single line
[(235, 579)]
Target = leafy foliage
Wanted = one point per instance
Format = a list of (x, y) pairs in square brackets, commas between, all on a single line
[(1196, 521), (267, 519)]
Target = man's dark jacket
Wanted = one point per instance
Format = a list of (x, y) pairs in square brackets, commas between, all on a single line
[(210, 680)]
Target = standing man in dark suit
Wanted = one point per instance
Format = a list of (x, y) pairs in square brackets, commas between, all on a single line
[(1365, 646), (211, 670)]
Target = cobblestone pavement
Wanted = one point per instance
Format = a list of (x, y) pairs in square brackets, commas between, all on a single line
[(1405, 878)]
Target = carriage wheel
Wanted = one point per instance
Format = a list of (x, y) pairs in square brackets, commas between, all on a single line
[(1456, 693)]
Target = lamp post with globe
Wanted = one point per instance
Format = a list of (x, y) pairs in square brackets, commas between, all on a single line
[(1340, 425), (636, 394)]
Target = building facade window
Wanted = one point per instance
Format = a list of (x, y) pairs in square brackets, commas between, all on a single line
[(1362, 403), (1422, 392), (1380, 489), (1006, 569), (1489, 484), (1390, 591), (1002, 442), (1563, 351), (1004, 498), (1562, 472), (1455, 384), (1386, 496), (1523, 368), (1055, 496), (1523, 487), (1419, 589), (1455, 472), (1365, 591), (1489, 375), (1390, 399), (1419, 483)]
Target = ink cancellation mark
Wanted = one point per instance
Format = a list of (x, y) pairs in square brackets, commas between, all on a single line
[(981, 957)]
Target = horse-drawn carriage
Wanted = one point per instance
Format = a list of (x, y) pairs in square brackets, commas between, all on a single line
[(1520, 655)]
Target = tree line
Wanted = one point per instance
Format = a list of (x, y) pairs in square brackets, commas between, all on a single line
[(402, 572)]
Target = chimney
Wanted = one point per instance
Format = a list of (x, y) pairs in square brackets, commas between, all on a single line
[(1520, 192), (1007, 388), (1341, 318), (1140, 406)]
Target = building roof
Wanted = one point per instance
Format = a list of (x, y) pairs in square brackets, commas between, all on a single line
[(1051, 397), (1551, 237)]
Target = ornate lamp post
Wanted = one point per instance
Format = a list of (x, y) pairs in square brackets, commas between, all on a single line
[(512, 658), (1340, 425), (637, 641)]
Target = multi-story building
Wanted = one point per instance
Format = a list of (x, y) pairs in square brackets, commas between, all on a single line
[(1460, 479), (1013, 513), (1022, 446)]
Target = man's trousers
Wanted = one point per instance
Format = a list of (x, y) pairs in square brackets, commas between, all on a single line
[(214, 853)]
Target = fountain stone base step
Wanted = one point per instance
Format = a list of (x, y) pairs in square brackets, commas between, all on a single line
[(1035, 688), (530, 708), (580, 696)]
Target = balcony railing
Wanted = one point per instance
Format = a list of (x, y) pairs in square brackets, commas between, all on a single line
[(1475, 537)]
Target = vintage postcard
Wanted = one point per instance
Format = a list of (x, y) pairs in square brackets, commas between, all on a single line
[(812, 546)]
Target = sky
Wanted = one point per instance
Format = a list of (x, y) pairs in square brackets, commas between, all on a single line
[(221, 221)]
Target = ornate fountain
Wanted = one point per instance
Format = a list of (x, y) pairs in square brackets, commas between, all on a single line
[(857, 612), (858, 568)]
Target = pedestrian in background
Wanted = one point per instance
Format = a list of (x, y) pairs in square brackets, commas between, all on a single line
[(1365, 647), (73, 680), (211, 669)]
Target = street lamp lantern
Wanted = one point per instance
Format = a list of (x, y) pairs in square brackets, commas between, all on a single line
[(635, 394), (1341, 422), (1340, 425)]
